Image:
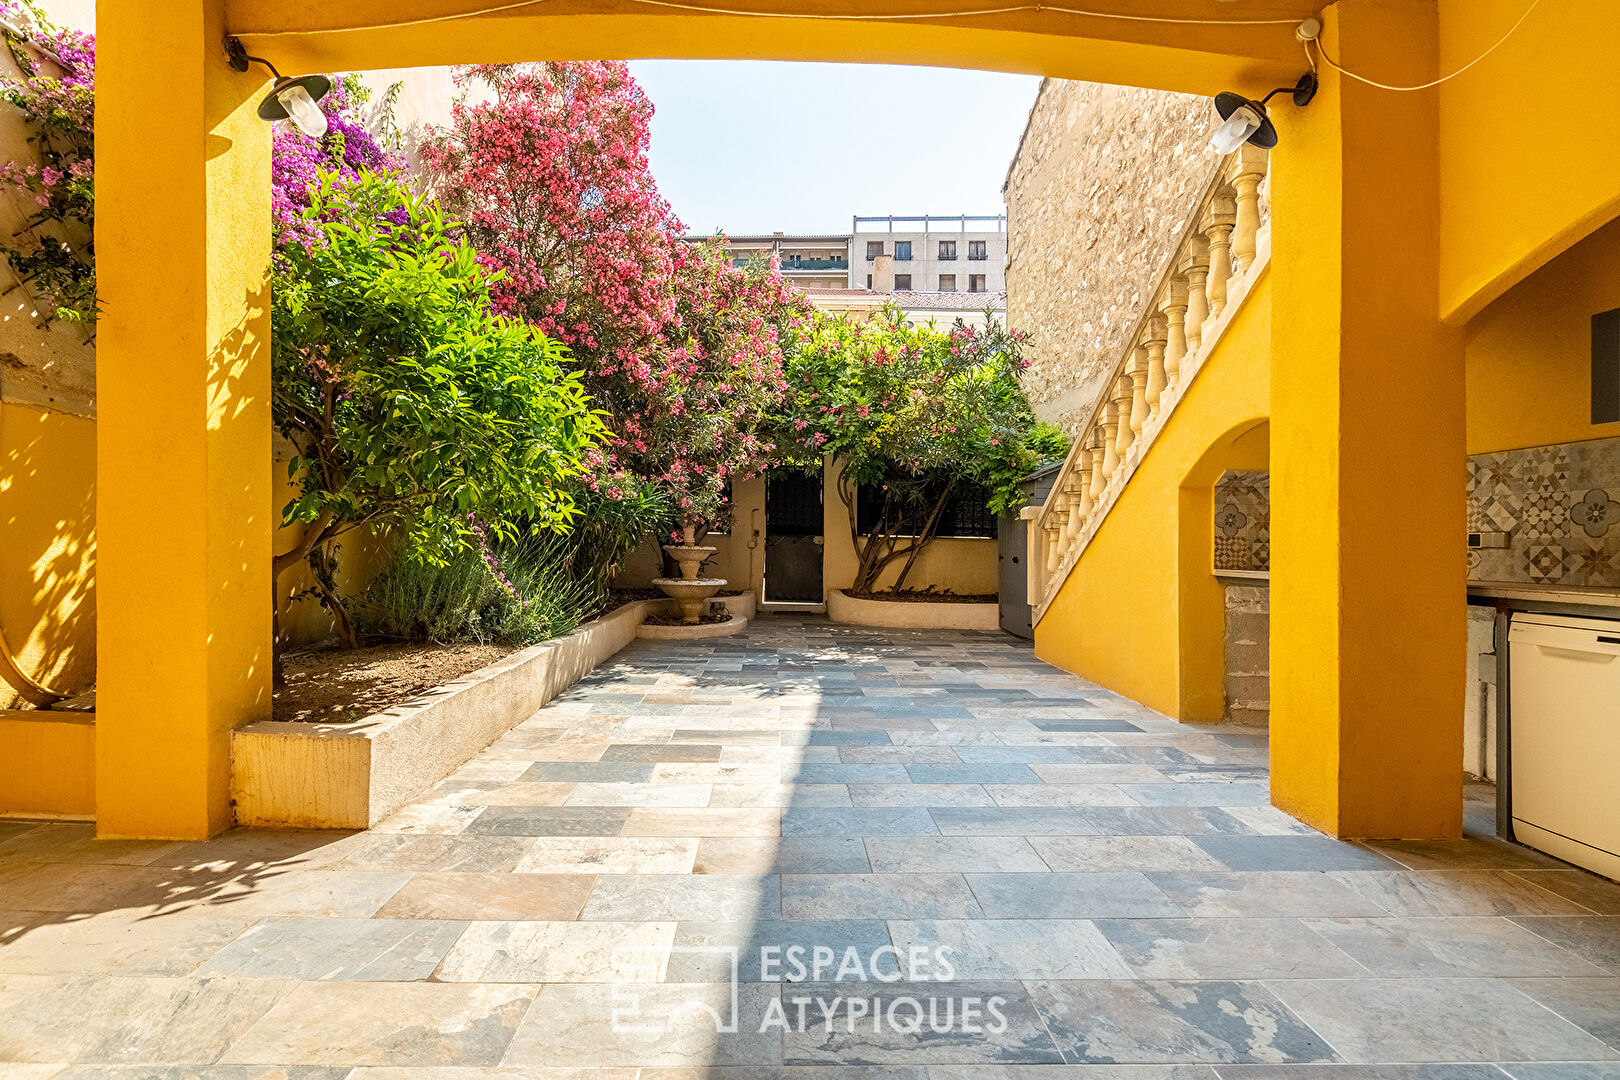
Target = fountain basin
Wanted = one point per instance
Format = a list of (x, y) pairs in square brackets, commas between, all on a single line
[(692, 594)]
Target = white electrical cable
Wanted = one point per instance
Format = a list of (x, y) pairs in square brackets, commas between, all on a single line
[(1334, 64), (707, 9)]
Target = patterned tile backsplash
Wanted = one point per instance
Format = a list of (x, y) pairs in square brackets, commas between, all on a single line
[(1558, 505), (1243, 521)]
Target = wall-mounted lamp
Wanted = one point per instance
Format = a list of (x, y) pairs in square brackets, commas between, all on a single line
[(1244, 120), (289, 99)]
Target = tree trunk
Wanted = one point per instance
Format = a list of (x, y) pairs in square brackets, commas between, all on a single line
[(314, 533), (926, 536)]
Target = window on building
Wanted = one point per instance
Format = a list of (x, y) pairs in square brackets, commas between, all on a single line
[(976, 250), (902, 251), (947, 249), (976, 283), (947, 283), (902, 282), (966, 514), (874, 248)]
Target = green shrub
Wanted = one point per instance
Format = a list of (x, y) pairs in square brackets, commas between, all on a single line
[(527, 596)]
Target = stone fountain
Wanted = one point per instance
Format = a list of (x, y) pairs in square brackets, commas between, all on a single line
[(689, 590)]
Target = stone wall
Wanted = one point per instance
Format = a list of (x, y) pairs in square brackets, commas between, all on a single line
[(1097, 196)]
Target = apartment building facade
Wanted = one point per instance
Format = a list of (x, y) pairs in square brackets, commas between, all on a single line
[(808, 262), (965, 253)]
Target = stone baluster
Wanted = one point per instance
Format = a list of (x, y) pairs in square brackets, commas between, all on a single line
[(1197, 273), (1218, 231), (1137, 366), (1154, 339), (1056, 521), (1110, 438), (1174, 308), (1120, 417), (1084, 462), (1250, 171), (1100, 447)]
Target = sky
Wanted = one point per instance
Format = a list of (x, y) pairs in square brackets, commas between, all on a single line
[(764, 146)]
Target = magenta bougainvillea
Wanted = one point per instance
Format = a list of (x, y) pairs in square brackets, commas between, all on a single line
[(55, 93), (682, 351), (296, 160)]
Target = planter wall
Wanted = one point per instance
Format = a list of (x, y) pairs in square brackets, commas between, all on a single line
[(901, 614), (351, 776)]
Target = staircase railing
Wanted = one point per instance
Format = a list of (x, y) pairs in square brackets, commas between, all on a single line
[(1221, 254)]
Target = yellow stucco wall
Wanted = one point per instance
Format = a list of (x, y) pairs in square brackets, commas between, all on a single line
[(962, 565), (47, 557), (1529, 354), (1117, 618), (1521, 182)]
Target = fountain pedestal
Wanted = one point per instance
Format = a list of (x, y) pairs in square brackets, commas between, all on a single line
[(689, 590)]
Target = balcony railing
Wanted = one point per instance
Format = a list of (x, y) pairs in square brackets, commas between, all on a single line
[(789, 265), (1222, 253)]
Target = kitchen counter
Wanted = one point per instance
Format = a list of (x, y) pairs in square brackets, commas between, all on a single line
[(1522, 596)]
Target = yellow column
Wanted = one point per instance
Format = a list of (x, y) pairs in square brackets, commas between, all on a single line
[(1367, 448), (183, 458)]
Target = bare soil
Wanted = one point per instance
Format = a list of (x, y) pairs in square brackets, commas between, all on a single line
[(334, 686), (920, 596), (676, 620)]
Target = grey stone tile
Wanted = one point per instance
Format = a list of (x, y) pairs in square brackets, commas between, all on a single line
[(1593, 938), (1118, 1022), (781, 951), (1008, 821), (702, 821), (119, 942), (405, 851), (1165, 821), (1329, 1071), (1259, 894), (1597, 895), (812, 773), (1562, 1070), (590, 772), (898, 755), (609, 855), (842, 738), (413, 1023), (1591, 1004), (859, 821), (1225, 948), (919, 795), (1072, 1072), (1199, 794), (1469, 853), (782, 855), (992, 949), (877, 896), (1091, 854), (1417, 1020), (1016, 754), (952, 854), (549, 821), (947, 1034), (543, 952), (663, 897), (1290, 853), (1099, 774), (197, 1072), (390, 950), (1071, 896), (131, 1020), (972, 774), (642, 752), (472, 897), (1456, 892), (666, 1025)]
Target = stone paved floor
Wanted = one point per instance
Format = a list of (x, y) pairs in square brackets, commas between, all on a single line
[(1111, 887)]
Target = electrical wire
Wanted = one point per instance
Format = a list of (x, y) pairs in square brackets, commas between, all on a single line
[(860, 16), (1334, 64)]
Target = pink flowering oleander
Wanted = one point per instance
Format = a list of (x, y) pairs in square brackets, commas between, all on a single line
[(682, 351)]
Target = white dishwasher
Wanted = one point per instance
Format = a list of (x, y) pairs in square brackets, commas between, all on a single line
[(1564, 697)]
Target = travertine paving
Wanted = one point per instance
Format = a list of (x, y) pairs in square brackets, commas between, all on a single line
[(814, 852)]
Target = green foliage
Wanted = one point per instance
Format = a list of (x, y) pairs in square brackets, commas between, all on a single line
[(607, 529), (922, 413), (408, 403), (530, 598)]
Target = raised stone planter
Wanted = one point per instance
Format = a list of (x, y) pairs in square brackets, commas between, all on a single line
[(351, 776), (912, 615), (684, 632)]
